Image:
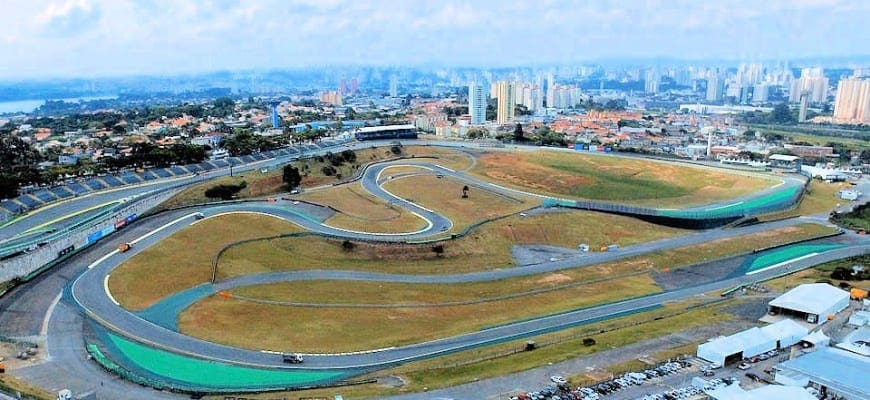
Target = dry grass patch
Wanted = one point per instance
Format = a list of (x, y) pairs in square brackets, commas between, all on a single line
[(638, 181), (361, 211), (444, 195), (486, 248), (184, 259), (504, 359), (257, 325)]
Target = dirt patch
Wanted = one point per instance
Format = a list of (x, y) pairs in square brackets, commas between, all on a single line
[(698, 274), (555, 278)]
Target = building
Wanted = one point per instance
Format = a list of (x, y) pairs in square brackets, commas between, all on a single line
[(760, 93), (333, 98), (767, 392), (506, 96), (810, 151), (812, 302), (857, 342), (812, 81), (276, 120), (477, 104), (752, 342), (730, 349), (394, 86), (715, 88), (651, 83), (832, 371), (387, 132), (852, 104)]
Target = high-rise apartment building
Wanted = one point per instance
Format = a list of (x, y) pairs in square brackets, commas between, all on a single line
[(394, 86), (813, 81), (506, 96), (651, 82), (853, 101), (715, 88), (477, 104)]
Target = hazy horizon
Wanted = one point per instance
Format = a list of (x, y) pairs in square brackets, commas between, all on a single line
[(93, 38)]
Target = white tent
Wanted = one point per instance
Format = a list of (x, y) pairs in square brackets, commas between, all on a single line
[(786, 332), (813, 301), (748, 343), (817, 339)]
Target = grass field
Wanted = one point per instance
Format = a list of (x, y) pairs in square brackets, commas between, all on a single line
[(263, 184), (637, 181), (444, 196), (361, 211), (820, 197), (486, 248), (264, 326), (184, 259), (503, 359)]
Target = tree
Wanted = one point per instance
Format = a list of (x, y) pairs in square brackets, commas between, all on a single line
[(781, 114), (749, 134), (291, 176), (465, 192), (475, 133), (347, 245), (518, 133)]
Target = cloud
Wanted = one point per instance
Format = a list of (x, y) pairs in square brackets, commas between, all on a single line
[(68, 17), (135, 36)]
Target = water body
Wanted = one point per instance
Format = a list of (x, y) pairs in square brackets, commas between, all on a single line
[(28, 106)]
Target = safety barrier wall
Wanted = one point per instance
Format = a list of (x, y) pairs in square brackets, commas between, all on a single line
[(62, 246), (703, 218)]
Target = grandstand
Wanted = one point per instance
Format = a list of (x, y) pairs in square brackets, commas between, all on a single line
[(387, 132)]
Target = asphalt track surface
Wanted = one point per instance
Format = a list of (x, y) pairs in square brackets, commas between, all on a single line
[(90, 294)]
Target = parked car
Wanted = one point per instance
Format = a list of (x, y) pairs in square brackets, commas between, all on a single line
[(558, 379), (744, 366)]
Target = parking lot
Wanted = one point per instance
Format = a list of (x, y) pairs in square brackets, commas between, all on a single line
[(676, 380)]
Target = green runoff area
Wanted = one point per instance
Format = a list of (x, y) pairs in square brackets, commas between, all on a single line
[(786, 254), (215, 375)]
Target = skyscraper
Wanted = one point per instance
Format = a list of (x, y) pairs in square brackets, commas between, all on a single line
[(651, 82), (813, 81), (715, 88), (394, 86), (506, 102), (276, 121), (477, 103), (853, 101)]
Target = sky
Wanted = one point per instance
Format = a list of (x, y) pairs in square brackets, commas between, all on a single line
[(88, 38)]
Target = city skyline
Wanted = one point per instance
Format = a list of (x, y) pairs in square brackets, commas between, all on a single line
[(89, 38)]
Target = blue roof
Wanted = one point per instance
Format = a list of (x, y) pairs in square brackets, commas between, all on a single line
[(839, 369)]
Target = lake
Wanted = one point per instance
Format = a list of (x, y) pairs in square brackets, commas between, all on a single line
[(26, 106)]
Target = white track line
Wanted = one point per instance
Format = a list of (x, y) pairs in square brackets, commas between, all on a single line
[(782, 263), (103, 258), (109, 293), (44, 329), (154, 232)]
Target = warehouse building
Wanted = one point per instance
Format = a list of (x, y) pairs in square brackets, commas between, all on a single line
[(752, 342), (830, 370), (767, 392), (812, 302)]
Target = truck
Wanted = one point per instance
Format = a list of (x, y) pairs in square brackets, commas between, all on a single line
[(292, 358), (124, 247)]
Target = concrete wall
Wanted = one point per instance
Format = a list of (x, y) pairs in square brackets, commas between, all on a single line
[(26, 264)]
